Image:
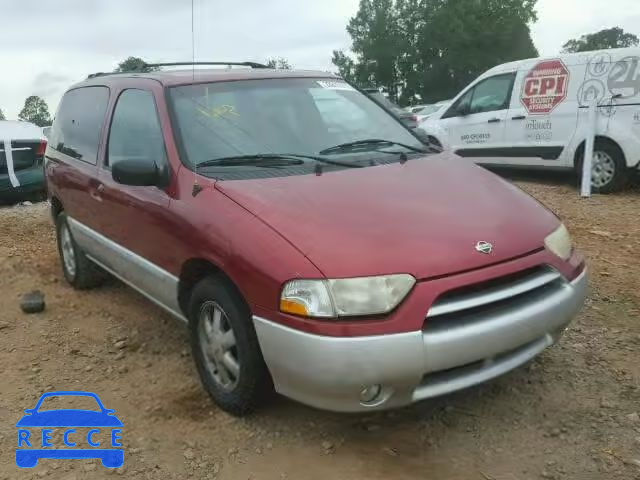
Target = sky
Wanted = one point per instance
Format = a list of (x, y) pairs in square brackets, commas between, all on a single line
[(45, 46)]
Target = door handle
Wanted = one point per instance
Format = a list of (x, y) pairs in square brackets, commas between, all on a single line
[(493, 120), (97, 193), (519, 117)]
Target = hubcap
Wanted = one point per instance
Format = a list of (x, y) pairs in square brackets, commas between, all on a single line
[(218, 345), (68, 253), (603, 169)]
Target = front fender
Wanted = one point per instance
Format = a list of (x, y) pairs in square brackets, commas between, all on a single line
[(436, 131)]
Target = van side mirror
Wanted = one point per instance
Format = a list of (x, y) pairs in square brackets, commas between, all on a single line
[(141, 173), (463, 109), (458, 110)]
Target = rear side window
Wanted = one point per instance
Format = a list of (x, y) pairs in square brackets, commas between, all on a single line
[(135, 129), (77, 127)]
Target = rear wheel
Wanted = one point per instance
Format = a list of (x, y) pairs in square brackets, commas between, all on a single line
[(78, 270), (609, 172), (225, 347)]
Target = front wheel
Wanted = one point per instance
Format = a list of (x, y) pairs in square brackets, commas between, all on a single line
[(225, 347)]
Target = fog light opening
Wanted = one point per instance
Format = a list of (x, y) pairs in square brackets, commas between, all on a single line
[(370, 394)]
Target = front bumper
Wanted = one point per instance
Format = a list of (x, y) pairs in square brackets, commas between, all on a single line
[(330, 372)]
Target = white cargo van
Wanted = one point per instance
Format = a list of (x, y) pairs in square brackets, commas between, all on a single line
[(533, 113)]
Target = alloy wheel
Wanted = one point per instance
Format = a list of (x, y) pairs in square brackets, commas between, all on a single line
[(218, 345), (68, 252), (603, 169)]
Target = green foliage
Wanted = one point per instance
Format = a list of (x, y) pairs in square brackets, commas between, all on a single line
[(278, 63), (608, 38), (36, 111), (430, 49), (2, 117), (134, 64)]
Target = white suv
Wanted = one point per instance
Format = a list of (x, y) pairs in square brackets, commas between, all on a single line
[(533, 113)]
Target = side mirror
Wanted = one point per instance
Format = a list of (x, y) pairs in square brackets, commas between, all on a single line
[(141, 173), (463, 109)]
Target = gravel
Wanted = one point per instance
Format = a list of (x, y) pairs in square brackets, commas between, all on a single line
[(577, 408)]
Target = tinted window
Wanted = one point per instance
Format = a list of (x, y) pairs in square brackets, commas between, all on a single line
[(135, 129), (77, 127), (492, 94)]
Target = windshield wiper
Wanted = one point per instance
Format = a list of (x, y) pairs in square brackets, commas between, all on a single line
[(370, 142), (270, 160), (260, 160)]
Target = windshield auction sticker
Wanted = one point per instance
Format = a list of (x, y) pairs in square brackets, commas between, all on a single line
[(334, 85), (69, 433), (545, 87)]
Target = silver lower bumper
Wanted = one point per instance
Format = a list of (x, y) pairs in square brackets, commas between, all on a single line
[(330, 372)]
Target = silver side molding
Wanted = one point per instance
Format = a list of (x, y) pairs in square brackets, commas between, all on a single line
[(155, 283)]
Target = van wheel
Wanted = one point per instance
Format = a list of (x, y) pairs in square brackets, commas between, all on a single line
[(78, 270), (225, 348), (609, 171)]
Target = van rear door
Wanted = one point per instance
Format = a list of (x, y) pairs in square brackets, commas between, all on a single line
[(543, 115)]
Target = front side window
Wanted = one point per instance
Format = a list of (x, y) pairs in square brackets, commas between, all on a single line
[(302, 116), (489, 95), (135, 130), (492, 94), (78, 124)]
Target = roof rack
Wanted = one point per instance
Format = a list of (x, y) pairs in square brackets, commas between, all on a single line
[(177, 64)]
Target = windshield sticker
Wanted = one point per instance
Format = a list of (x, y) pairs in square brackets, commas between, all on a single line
[(476, 138), (334, 85), (218, 112), (545, 87)]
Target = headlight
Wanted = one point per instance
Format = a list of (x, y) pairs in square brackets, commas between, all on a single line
[(345, 297), (559, 242)]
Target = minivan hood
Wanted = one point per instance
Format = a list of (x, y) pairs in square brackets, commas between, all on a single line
[(423, 217)]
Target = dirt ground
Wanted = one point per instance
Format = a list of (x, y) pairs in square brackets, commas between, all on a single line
[(571, 414)]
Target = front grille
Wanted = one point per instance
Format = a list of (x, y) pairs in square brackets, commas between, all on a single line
[(477, 302)]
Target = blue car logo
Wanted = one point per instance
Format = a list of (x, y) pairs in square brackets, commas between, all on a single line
[(32, 446)]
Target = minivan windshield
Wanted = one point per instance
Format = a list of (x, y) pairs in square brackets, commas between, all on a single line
[(225, 127)]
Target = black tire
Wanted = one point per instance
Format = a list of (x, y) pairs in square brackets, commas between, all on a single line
[(85, 274), (620, 177), (252, 386)]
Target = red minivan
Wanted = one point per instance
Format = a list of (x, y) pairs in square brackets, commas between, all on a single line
[(312, 242)]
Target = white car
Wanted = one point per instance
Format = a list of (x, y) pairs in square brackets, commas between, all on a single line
[(423, 112), (533, 113)]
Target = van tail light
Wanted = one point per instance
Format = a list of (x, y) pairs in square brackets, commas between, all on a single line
[(414, 117), (41, 148)]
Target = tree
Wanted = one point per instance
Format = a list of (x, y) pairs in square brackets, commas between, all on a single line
[(278, 63), (134, 64), (2, 117), (346, 65), (608, 38), (375, 37), (428, 50), (36, 111)]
